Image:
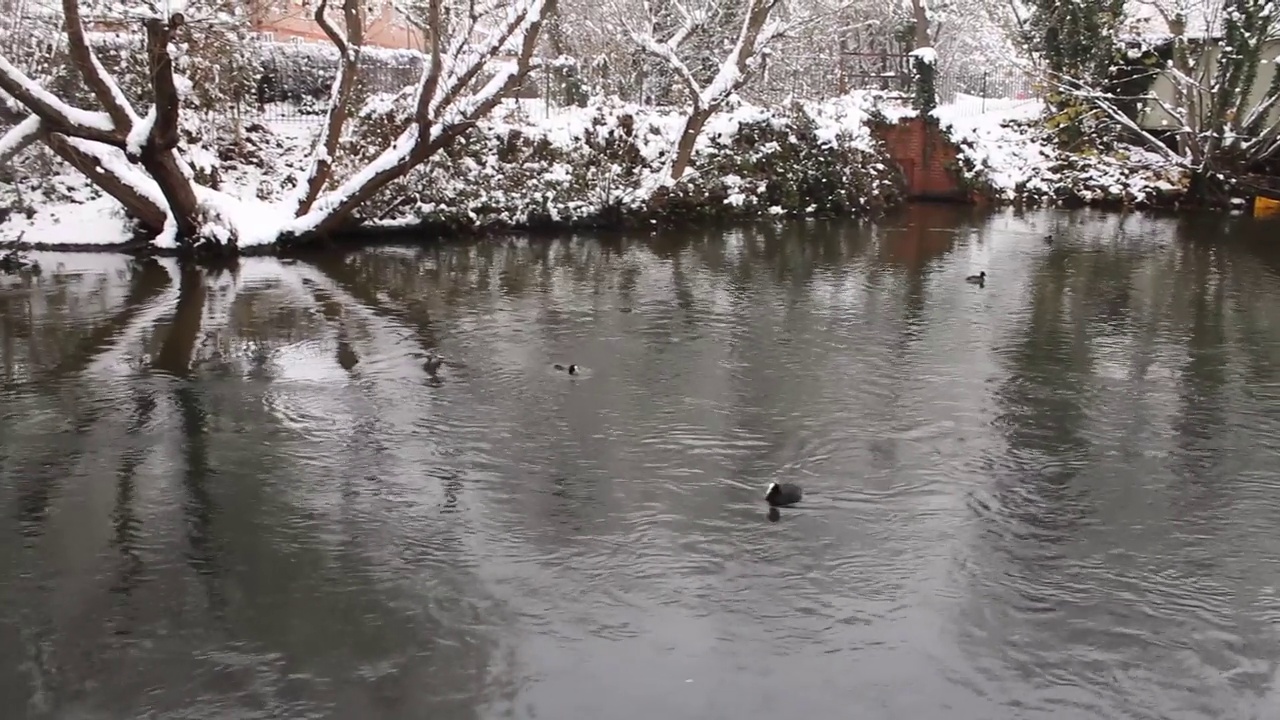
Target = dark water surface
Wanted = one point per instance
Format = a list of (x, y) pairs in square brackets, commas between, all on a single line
[(1057, 496)]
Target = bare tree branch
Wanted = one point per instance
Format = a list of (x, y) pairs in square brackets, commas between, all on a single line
[(344, 82), (95, 76), (57, 114), (1106, 104)]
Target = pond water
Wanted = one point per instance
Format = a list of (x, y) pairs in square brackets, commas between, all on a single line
[(240, 495)]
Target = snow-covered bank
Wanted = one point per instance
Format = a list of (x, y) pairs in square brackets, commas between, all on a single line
[(523, 167), (530, 167), (1006, 150)]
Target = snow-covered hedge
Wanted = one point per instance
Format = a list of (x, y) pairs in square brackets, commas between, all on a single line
[(604, 164), (298, 72), (222, 67)]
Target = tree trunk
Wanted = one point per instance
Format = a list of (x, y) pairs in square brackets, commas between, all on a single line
[(340, 216), (178, 192), (1185, 97), (688, 139), (736, 70), (921, 16), (158, 156)]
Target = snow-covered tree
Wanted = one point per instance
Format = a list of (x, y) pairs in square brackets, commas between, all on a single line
[(464, 39), (1076, 38), (744, 32), (1191, 65), (974, 34), (1213, 52), (138, 157)]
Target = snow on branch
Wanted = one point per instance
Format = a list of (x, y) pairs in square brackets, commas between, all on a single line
[(109, 170), (441, 112), (113, 161), (1107, 104), (521, 18), (340, 93), (759, 28), (1262, 109), (19, 137), (1265, 144), (667, 51), (139, 134), (59, 115), (95, 76)]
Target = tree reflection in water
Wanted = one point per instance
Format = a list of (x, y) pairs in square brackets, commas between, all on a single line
[(238, 491)]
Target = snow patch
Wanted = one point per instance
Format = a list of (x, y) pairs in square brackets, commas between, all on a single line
[(247, 221), (1004, 154), (926, 55), (97, 222)]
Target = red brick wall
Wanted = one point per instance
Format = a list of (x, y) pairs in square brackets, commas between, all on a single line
[(926, 157)]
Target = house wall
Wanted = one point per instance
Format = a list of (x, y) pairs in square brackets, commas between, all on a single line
[(287, 19), (1157, 118)]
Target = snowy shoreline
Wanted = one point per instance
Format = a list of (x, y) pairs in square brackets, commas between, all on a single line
[(530, 169), (524, 168)]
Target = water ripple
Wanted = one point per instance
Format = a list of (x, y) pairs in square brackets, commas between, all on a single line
[(1051, 497)]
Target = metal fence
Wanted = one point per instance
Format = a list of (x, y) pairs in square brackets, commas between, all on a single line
[(980, 91)]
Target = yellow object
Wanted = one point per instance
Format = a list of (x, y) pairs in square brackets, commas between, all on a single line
[(1265, 207)]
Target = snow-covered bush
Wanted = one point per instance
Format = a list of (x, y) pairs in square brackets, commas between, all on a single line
[(604, 165), (1010, 156), (220, 59)]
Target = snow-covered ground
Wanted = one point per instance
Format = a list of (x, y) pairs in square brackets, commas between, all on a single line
[(1004, 155)]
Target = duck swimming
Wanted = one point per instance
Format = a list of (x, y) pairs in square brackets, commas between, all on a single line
[(978, 279), (781, 495), (433, 363), (572, 369)]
